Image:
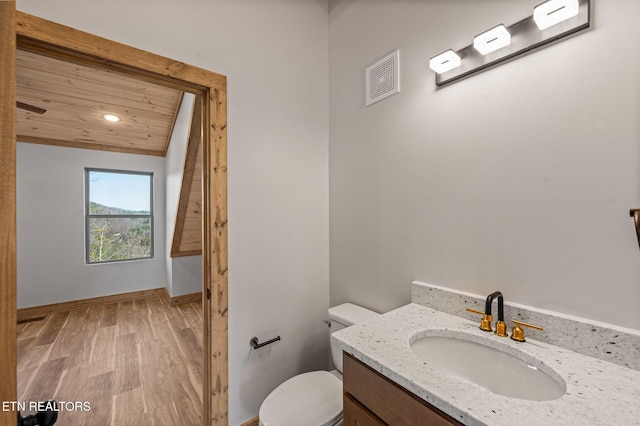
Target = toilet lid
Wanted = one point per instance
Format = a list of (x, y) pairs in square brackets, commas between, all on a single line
[(310, 399)]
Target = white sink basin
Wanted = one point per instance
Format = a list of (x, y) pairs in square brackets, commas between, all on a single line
[(467, 356)]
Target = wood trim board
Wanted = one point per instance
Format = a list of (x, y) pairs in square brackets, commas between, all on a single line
[(187, 253), (215, 258), (183, 299), (253, 422), (44, 310), (8, 362), (48, 38)]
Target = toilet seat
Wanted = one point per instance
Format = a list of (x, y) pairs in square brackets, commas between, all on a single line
[(310, 399)]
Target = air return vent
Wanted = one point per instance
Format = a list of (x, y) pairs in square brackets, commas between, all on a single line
[(383, 78)]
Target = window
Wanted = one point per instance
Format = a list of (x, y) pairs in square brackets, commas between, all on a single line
[(118, 215)]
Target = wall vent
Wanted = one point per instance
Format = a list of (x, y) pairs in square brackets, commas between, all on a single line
[(383, 78)]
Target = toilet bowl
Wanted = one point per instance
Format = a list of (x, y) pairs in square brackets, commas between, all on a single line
[(315, 398)]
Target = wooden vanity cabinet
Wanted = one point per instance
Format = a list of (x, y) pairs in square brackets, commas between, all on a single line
[(370, 399)]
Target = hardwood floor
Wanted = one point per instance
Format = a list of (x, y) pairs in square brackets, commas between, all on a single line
[(136, 363)]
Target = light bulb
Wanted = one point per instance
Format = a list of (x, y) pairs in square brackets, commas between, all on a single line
[(111, 117)]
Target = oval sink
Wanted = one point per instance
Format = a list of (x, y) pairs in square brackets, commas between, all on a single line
[(467, 356)]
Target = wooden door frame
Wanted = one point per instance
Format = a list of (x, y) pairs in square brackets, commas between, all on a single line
[(7, 210), (48, 38)]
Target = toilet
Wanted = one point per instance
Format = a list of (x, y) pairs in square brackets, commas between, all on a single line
[(315, 398)]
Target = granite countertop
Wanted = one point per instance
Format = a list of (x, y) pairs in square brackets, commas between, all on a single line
[(598, 392)]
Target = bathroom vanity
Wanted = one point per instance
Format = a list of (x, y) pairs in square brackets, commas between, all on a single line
[(387, 382), (372, 399)]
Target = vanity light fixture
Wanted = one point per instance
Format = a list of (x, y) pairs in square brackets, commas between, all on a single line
[(111, 117), (550, 21), (553, 12), (445, 61), (492, 40)]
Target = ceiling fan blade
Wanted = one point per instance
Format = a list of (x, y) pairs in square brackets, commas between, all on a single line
[(31, 108)]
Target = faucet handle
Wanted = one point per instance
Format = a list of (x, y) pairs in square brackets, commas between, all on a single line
[(485, 322), (501, 329), (517, 333)]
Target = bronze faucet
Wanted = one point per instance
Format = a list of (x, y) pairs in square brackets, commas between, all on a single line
[(485, 322)]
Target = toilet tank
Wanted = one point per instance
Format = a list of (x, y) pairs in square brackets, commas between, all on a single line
[(342, 316)]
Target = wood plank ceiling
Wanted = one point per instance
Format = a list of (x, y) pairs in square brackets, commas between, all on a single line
[(74, 99), (63, 103)]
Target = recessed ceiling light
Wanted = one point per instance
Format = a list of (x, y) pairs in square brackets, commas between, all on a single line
[(111, 117)]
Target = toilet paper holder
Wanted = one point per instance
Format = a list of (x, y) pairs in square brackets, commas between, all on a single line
[(256, 344), (635, 214)]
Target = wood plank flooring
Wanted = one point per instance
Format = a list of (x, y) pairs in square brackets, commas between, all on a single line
[(136, 363)]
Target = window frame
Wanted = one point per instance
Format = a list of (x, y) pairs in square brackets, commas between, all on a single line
[(88, 216)]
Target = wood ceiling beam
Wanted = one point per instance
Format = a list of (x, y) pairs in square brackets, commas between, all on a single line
[(88, 145), (48, 38)]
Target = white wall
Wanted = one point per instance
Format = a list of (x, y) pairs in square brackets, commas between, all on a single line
[(519, 178), (274, 54), (184, 274), (50, 227)]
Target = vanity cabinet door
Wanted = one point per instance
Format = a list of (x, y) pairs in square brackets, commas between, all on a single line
[(384, 400), (356, 414)]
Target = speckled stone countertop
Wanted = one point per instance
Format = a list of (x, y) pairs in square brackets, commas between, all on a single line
[(607, 342), (598, 392)]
